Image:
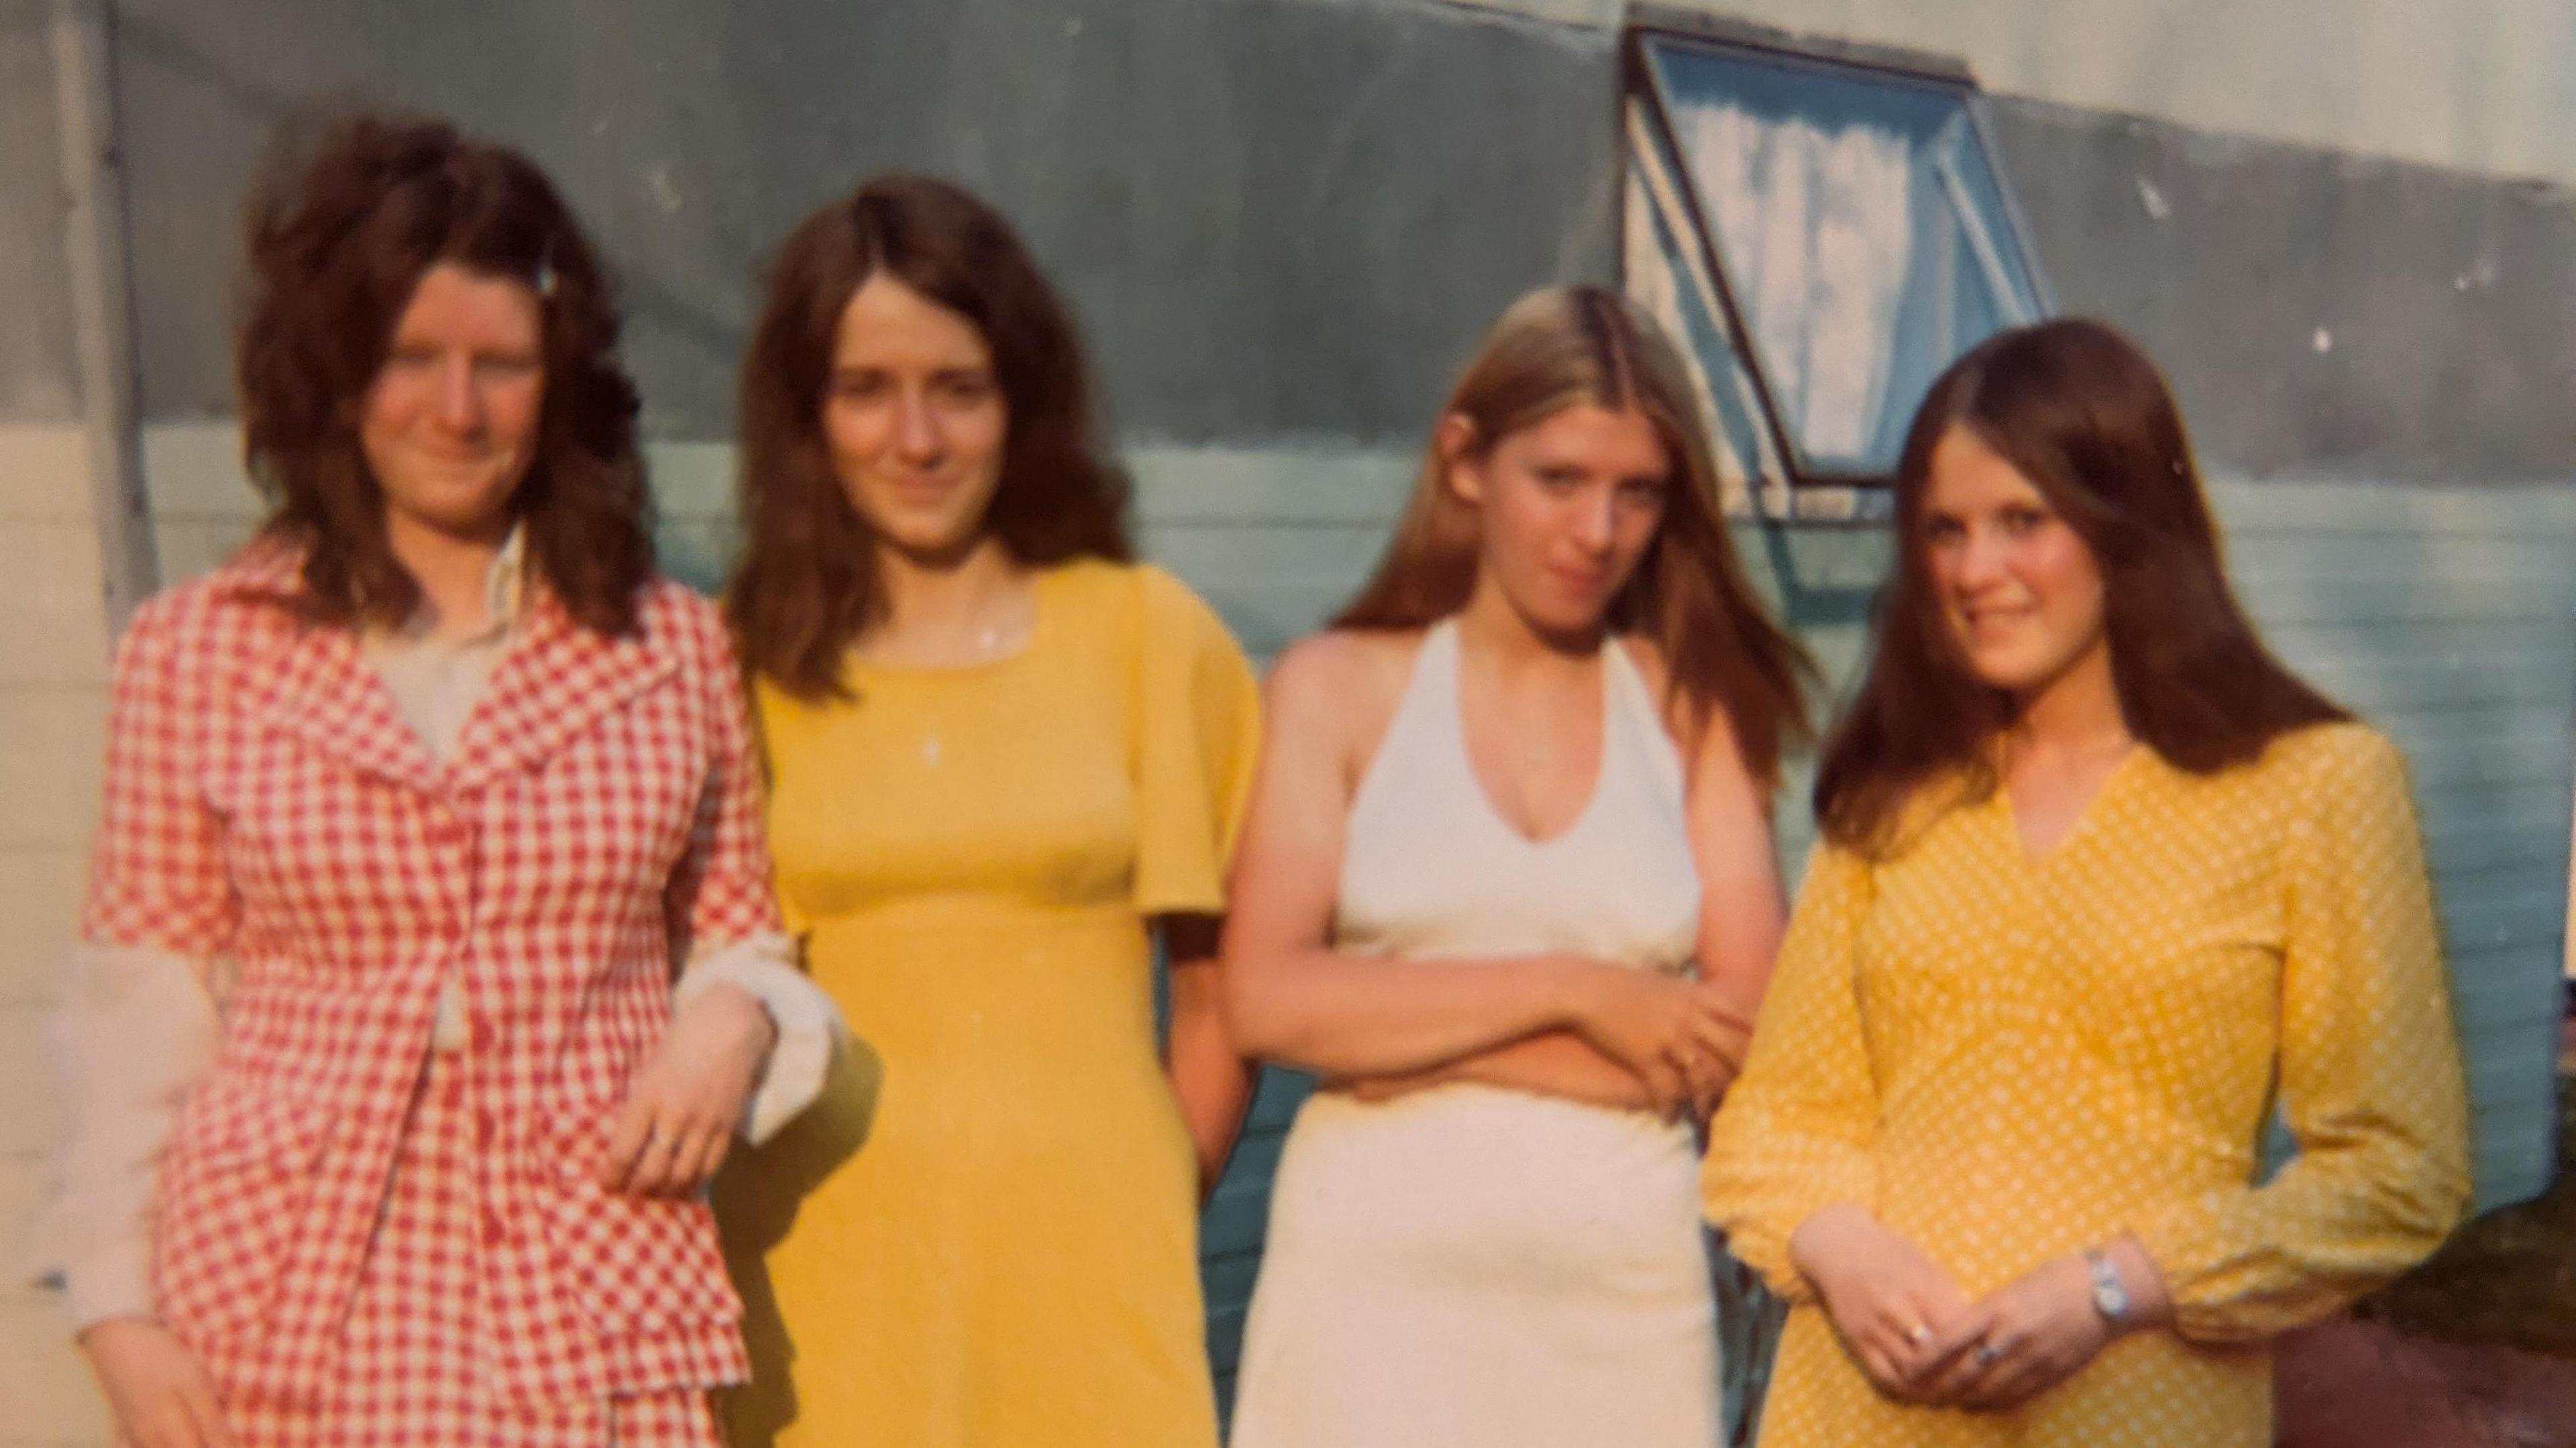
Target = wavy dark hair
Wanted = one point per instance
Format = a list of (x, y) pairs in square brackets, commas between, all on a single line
[(807, 585), (347, 218), (2083, 414), (1558, 348)]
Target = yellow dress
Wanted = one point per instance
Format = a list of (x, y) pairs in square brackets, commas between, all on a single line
[(985, 1235), (2010, 1059)]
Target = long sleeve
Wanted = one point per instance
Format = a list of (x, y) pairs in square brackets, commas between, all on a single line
[(2370, 1078), (810, 1029), (720, 892), (1797, 1132), (724, 918), (137, 1028)]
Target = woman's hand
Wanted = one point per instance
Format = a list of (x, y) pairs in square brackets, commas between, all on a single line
[(2043, 1328), (681, 1109), (156, 1388), (1732, 1038), (1898, 1313), (1676, 1036)]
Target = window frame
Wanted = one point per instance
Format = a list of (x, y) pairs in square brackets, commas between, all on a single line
[(1789, 486)]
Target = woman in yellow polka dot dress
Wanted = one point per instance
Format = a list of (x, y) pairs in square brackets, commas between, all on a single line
[(2097, 874)]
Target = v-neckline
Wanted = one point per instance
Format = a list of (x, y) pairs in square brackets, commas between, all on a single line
[(2076, 829), (1476, 782)]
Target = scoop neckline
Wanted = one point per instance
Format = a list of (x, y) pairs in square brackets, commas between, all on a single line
[(1041, 618)]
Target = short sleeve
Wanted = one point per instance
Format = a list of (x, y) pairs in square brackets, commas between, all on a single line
[(1197, 716), (720, 892), (1798, 1131), (158, 879)]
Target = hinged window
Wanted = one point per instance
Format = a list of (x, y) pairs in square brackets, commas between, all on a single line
[(1825, 235)]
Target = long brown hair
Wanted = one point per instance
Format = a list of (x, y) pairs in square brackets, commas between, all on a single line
[(340, 236), (2083, 414), (1561, 347), (807, 585)]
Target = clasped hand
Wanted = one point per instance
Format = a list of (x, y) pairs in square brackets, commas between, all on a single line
[(1678, 1036), (1920, 1339)]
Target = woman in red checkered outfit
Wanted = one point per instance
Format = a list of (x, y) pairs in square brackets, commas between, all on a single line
[(389, 1118)]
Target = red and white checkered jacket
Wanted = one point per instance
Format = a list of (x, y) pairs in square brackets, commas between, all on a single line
[(598, 817)]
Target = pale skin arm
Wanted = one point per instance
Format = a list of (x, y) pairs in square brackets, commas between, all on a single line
[(1291, 998), (1742, 917), (1210, 1079)]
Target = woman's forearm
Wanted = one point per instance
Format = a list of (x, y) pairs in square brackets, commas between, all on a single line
[(1342, 1015), (1555, 1063), (1211, 1080)]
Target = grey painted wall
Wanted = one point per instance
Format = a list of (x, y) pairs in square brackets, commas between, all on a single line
[(39, 369), (1284, 220), (1278, 219), (2321, 312)]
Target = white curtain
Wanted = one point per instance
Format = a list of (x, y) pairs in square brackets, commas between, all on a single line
[(1816, 228)]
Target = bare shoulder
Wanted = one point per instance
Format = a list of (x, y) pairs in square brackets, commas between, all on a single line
[(1342, 686), (1332, 664), (1706, 743)]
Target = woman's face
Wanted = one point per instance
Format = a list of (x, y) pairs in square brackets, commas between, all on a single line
[(1568, 506), (449, 425), (914, 418), (2017, 586)]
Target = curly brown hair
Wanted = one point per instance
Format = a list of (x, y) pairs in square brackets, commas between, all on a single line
[(807, 584), (341, 232), (2082, 413)]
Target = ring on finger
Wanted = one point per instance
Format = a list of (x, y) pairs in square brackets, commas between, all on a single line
[(1920, 1334), (1988, 1354)]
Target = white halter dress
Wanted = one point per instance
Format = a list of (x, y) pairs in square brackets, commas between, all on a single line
[(1469, 1265)]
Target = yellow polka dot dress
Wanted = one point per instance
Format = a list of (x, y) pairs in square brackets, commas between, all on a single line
[(2009, 1058)]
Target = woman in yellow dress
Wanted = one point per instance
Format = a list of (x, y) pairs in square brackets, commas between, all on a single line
[(1002, 759), (2098, 874)]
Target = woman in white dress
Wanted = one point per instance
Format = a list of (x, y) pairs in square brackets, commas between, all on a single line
[(1507, 886)]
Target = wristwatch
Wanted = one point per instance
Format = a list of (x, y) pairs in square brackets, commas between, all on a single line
[(2110, 1295)]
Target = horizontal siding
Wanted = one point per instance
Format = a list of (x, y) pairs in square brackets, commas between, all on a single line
[(1275, 541), (2447, 616)]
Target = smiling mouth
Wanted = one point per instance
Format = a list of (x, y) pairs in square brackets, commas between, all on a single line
[(921, 490), (1995, 620)]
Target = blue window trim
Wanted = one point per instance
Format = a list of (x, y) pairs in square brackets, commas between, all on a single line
[(1653, 151)]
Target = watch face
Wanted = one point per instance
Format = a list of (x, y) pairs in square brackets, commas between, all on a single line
[(2110, 1296)]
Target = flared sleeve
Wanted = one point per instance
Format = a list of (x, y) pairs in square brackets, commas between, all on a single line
[(1196, 741)]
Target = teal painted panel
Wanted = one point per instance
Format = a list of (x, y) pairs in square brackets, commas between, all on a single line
[(2448, 618)]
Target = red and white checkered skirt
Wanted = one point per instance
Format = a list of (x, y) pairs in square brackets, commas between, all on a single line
[(415, 1370)]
